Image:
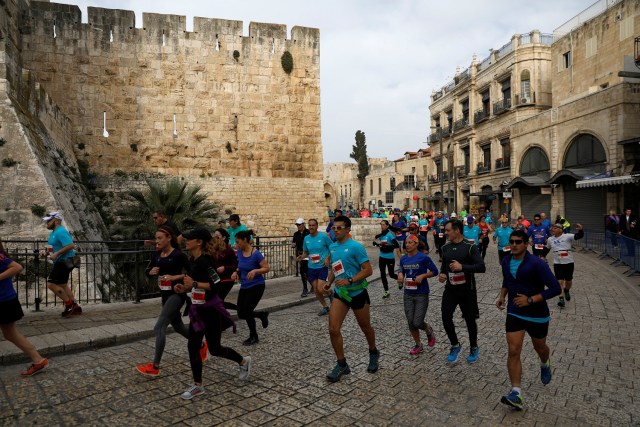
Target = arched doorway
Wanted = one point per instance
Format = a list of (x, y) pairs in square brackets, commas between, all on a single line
[(534, 163)]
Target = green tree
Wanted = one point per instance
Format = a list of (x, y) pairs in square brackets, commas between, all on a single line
[(185, 205), (359, 154)]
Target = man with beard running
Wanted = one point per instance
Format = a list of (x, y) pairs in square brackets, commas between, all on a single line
[(460, 260)]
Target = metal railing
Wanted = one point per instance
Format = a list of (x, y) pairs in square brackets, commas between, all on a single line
[(623, 250), (461, 124), (114, 271), (502, 105), (502, 164)]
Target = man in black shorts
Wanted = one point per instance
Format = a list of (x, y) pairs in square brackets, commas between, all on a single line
[(460, 260), (529, 283), (350, 267)]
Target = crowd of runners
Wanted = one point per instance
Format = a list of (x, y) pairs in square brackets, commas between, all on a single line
[(196, 270)]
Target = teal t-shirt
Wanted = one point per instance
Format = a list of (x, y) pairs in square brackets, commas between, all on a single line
[(232, 233), (346, 259), (387, 240), (59, 238), (513, 265), (502, 236), (472, 233), (318, 248)]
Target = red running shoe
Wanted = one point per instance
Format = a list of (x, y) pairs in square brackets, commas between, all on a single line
[(148, 369), (35, 368)]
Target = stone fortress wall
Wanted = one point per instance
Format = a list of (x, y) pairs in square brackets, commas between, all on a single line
[(212, 105)]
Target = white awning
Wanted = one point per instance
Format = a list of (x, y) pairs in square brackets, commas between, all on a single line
[(602, 182)]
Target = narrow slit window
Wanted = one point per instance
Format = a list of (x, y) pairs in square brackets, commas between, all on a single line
[(217, 44), (54, 30)]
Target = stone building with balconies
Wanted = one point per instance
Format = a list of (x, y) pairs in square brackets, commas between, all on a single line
[(471, 118)]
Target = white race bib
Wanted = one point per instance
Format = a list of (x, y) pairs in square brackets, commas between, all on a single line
[(197, 296), (314, 257), (338, 268), (410, 284), (506, 249), (539, 246), (441, 235), (457, 278), (472, 241)]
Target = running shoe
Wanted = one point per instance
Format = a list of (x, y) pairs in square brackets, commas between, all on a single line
[(35, 368), (304, 294), (473, 355), (148, 369), (400, 286), (453, 354), (76, 309), (416, 349), (264, 318), (545, 373), (245, 369), (567, 295), (250, 341), (204, 351), (67, 310), (324, 311), (513, 399), (373, 361), (386, 294), (431, 340), (338, 371), (192, 391), (561, 302)]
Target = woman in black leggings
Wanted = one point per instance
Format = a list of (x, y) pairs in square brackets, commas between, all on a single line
[(226, 261), (387, 242), (207, 313), (251, 269)]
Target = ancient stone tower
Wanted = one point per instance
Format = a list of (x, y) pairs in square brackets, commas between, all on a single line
[(213, 106)]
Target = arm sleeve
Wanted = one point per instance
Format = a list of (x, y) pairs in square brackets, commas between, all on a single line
[(477, 263), (579, 235)]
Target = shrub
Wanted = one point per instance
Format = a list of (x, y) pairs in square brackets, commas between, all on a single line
[(287, 62), (9, 162), (38, 210)]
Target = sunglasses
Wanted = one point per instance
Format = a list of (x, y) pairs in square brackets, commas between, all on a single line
[(155, 217), (338, 227), (515, 242)]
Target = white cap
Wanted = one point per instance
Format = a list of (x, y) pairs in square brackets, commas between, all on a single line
[(299, 221), (453, 215), (52, 215)]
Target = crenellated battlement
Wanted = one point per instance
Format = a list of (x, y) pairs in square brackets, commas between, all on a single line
[(116, 25)]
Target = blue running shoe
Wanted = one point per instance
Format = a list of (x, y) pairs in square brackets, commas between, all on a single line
[(473, 355), (545, 373), (453, 354), (513, 399), (335, 374)]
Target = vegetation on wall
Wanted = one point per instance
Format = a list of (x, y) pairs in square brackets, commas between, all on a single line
[(236, 55), (9, 162), (287, 62), (38, 210)]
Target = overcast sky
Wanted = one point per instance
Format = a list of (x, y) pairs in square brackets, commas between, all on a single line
[(380, 60)]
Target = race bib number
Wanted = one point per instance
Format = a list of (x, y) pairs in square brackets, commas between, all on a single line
[(441, 235), (164, 285), (410, 284), (472, 241), (197, 296), (564, 254), (539, 246), (383, 243), (506, 249), (338, 268), (314, 257), (423, 228), (457, 278)]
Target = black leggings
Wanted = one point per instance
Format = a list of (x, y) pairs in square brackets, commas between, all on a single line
[(466, 298), (223, 290), (304, 273), (213, 333), (387, 264), (248, 300), (484, 244)]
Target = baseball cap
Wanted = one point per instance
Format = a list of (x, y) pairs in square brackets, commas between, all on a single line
[(52, 215), (453, 215), (557, 224), (299, 221), (470, 219), (197, 233)]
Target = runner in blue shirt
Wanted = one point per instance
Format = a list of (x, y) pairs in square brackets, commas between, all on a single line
[(350, 268), (501, 237), (471, 232), (316, 248), (438, 233), (415, 268), (387, 242), (538, 235)]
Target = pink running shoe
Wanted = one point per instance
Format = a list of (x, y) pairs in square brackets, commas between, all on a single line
[(416, 349), (432, 340)]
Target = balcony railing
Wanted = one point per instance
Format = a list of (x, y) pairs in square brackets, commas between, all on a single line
[(525, 39), (435, 136), (461, 124), (462, 171), (446, 132), (480, 115), (462, 77), (505, 50), (501, 106), (434, 179), (483, 168), (502, 163)]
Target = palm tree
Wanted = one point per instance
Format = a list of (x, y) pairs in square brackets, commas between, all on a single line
[(185, 205)]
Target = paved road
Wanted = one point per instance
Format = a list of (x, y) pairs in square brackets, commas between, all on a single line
[(594, 344)]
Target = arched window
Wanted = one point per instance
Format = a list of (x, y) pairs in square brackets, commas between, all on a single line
[(584, 150), (525, 85), (392, 183), (534, 161)]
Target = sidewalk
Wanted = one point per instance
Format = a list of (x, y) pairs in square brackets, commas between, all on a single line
[(103, 325)]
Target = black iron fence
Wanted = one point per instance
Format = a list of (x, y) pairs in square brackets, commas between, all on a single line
[(114, 271), (623, 250)]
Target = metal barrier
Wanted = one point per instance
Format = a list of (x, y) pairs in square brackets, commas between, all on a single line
[(114, 271), (622, 249)]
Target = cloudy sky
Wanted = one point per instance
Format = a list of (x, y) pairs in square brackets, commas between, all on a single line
[(380, 60)]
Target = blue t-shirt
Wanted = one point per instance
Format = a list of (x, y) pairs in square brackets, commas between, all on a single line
[(59, 238), (488, 219), (400, 235), (7, 293), (502, 235), (387, 240), (472, 233), (245, 265), (538, 234), (346, 261), (412, 266), (316, 247)]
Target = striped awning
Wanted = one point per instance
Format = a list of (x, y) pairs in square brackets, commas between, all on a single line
[(603, 182)]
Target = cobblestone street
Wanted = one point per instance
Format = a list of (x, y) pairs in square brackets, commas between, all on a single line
[(594, 350)]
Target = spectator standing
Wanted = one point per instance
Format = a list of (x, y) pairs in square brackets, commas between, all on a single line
[(297, 243), (234, 228)]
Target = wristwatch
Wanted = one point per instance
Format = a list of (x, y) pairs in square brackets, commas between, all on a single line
[(350, 281), (529, 300), (195, 285)]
